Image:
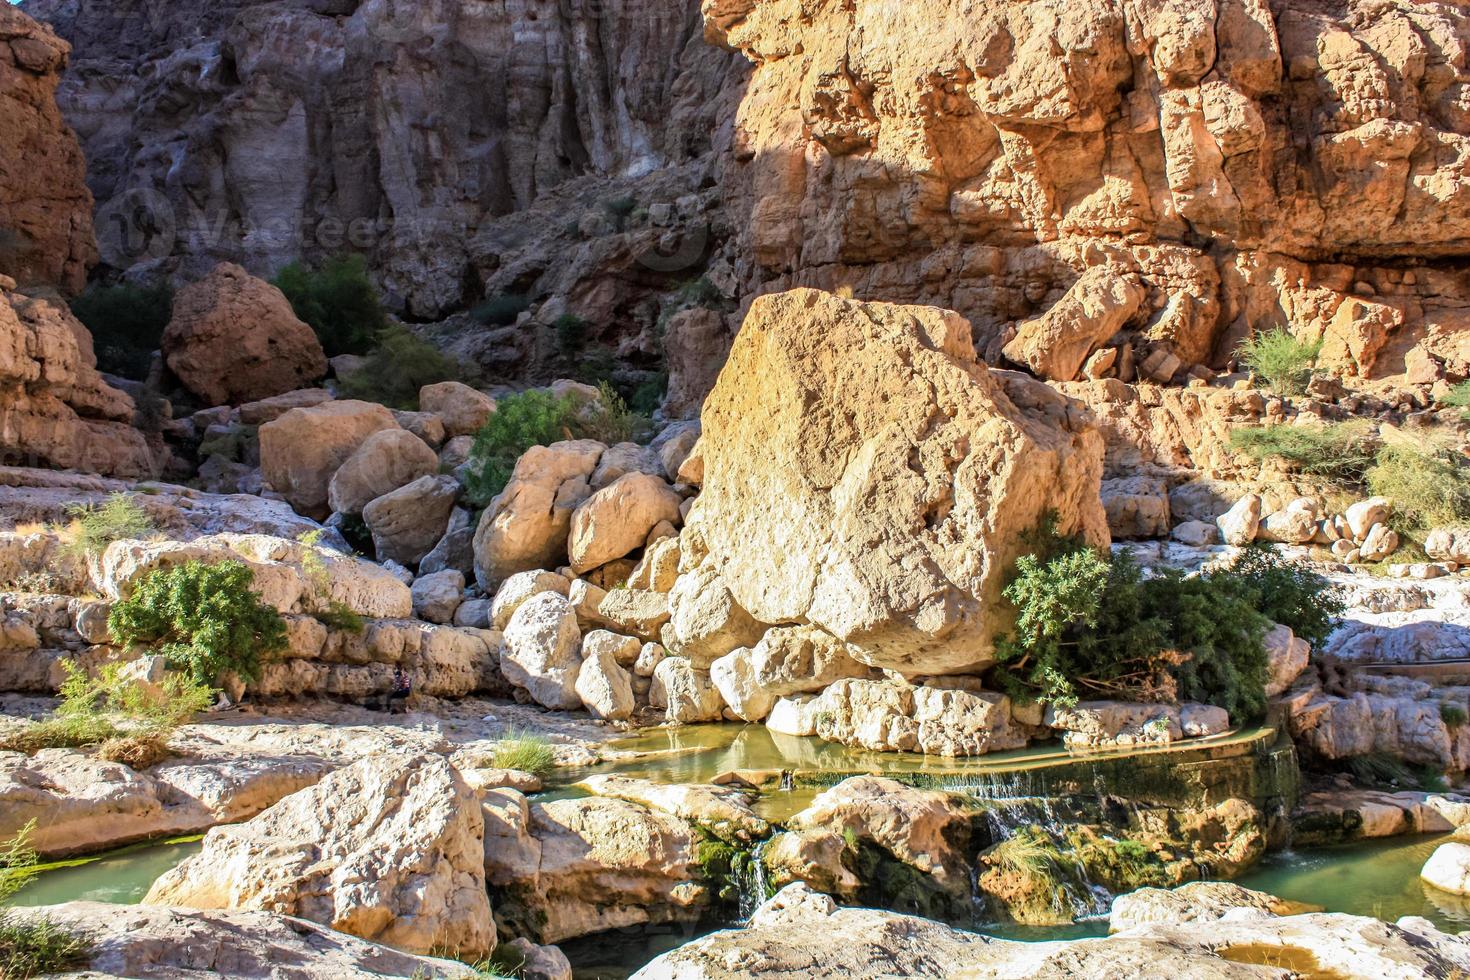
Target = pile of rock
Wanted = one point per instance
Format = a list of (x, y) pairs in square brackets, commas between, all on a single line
[(1359, 534)]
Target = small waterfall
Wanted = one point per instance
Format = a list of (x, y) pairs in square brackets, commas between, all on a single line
[(788, 780), (752, 882)]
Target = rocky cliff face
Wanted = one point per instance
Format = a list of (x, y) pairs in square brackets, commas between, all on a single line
[(259, 132), (1255, 164), (45, 209)]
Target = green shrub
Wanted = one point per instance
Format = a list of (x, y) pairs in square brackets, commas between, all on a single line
[(1459, 397), (649, 396), (1281, 360), (1087, 626), (595, 365), (699, 292), (1430, 487), (59, 732), (502, 310), (1285, 591), (571, 333), (34, 947), (609, 419), (1453, 715), (337, 300), (531, 418), (618, 208), (398, 367), (1342, 453), (203, 618), (118, 518), (127, 323), (526, 752)]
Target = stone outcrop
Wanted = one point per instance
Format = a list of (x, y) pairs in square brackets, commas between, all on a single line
[(301, 450), (800, 933), (386, 460), (142, 940), (55, 408), (389, 849), (45, 207), (526, 526), (906, 473), (1253, 166), (234, 338)]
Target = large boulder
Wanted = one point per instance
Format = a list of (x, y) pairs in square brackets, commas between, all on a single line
[(1055, 344), (409, 521), (234, 338), (389, 849), (542, 651), (606, 689), (884, 494), (301, 450), (526, 525), (615, 520), (384, 462), (1448, 868), (462, 409)]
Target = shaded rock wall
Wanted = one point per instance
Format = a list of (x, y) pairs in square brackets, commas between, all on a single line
[(258, 132), (45, 208)]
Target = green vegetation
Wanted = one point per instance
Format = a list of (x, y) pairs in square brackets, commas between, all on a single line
[(1342, 453), (118, 518), (127, 323), (1453, 715), (618, 208), (699, 292), (399, 365), (540, 418), (330, 612), (1459, 397), (130, 720), (525, 752), (1428, 483), (1281, 360), (337, 300), (571, 333), (649, 395), (31, 946), (204, 619), (1094, 627), (1430, 486), (502, 310)]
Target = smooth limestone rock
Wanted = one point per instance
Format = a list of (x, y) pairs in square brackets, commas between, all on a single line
[(520, 587), (722, 810), (462, 409), (688, 693), (800, 933), (1287, 656), (616, 520), (1448, 868), (887, 716), (408, 522), (437, 596), (527, 524), (384, 462), (735, 677), (234, 338), (705, 620), (146, 941), (542, 651), (301, 450), (605, 688), (1056, 344), (389, 849), (906, 471), (1197, 901), (1240, 524)]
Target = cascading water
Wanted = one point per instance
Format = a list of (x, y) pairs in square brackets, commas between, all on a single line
[(752, 882)]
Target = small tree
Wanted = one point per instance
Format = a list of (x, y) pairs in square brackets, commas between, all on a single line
[(1283, 361), (531, 418), (337, 300), (400, 364), (118, 518), (203, 618), (127, 323)]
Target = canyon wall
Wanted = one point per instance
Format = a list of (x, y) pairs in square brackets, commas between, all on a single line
[(1242, 164), (45, 209), (1254, 164), (260, 132)]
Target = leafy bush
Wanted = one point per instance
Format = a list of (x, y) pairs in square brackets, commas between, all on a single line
[(502, 310), (1285, 591), (699, 292), (398, 367), (1087, 626), (1342, 453), (571, 333), (127, 323), (1459, 397), (337, 300), (129, 719), (531, 418), (1281, 360), (118, 518), (203, 618), (1430, 487), (1453, 715), (526, 752), (31, 946), (609, 419), (649, 396)]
